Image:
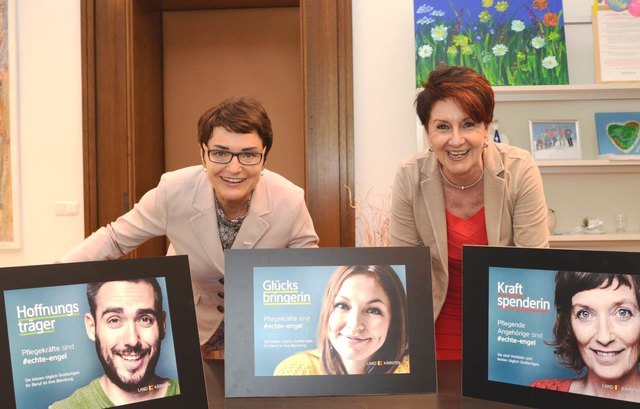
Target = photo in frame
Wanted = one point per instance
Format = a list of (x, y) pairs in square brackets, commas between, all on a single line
[(618, 134), (10, 214), (328, 322), (555, 139), (57, 343), (529, 317)]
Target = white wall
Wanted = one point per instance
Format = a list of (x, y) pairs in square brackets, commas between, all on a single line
[(50, 129), (384, 118)]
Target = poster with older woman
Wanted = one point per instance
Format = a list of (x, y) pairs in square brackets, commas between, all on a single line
[(567, 331)]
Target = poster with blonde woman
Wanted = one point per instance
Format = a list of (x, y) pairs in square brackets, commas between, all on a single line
[(332, 317), (362, 326), (355, 322)]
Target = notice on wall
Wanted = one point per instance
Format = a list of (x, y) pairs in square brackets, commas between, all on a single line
[(617, 46)]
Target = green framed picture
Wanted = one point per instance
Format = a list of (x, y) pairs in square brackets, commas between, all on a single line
[(518, 42)]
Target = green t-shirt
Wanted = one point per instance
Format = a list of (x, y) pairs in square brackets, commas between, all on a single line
[(92, 396)]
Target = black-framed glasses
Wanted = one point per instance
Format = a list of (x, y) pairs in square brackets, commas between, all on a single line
[(245, 158)]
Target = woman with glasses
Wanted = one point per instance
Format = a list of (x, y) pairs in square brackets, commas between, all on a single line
[(230, 201)]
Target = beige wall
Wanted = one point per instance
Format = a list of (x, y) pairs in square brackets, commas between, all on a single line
[(383, 94), (212, 55), (49, 114)]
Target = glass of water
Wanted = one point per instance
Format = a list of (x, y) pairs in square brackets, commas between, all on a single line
[(622, 222)]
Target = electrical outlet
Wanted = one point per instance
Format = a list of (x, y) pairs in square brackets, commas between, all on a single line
[(66, 208)]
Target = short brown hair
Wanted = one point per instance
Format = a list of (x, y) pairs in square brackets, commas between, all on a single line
[(94, 288), (568, 284), (240, 115), (395, 346), (470, 90)]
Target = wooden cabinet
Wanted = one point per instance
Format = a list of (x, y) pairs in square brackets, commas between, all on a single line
[(123, 109)]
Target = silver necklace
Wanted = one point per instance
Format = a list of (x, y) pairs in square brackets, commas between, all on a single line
[(458, 186)]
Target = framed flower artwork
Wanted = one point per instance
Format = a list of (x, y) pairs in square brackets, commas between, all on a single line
[(518, 42)]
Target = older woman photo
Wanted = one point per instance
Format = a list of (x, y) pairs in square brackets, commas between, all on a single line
[(362, 328), (229, 201), (463, 189), (597, 334)]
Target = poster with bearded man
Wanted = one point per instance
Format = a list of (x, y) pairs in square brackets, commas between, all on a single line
[(93, 345)]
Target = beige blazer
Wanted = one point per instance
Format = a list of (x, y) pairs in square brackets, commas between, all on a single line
[(182, 207), (514, 203)]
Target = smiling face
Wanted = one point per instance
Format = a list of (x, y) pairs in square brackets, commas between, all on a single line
[(359, 321), (233, 182), (457, 141), (127, 331), (606, 324)]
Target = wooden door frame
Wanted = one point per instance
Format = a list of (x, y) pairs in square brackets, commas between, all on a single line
[(122, 107)]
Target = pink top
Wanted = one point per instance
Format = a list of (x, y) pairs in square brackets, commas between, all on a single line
[(448, 326), (561, 385)]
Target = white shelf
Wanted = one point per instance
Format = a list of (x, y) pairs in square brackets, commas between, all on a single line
[(606, 241), (581, 92), (559, 238), (588, 166)]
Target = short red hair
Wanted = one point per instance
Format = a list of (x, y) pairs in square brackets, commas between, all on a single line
[(470, 91)]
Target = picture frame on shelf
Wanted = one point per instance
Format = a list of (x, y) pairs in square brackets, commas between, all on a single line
[(618, 135), (555, 139)]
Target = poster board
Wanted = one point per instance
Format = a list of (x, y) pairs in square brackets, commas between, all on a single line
[(45, 340), (616, 39), (510, 345), (273, 307)]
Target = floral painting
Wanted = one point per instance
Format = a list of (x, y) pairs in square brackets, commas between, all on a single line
[(518, 42)]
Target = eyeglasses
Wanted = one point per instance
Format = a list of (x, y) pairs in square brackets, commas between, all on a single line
[(245, 158)]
